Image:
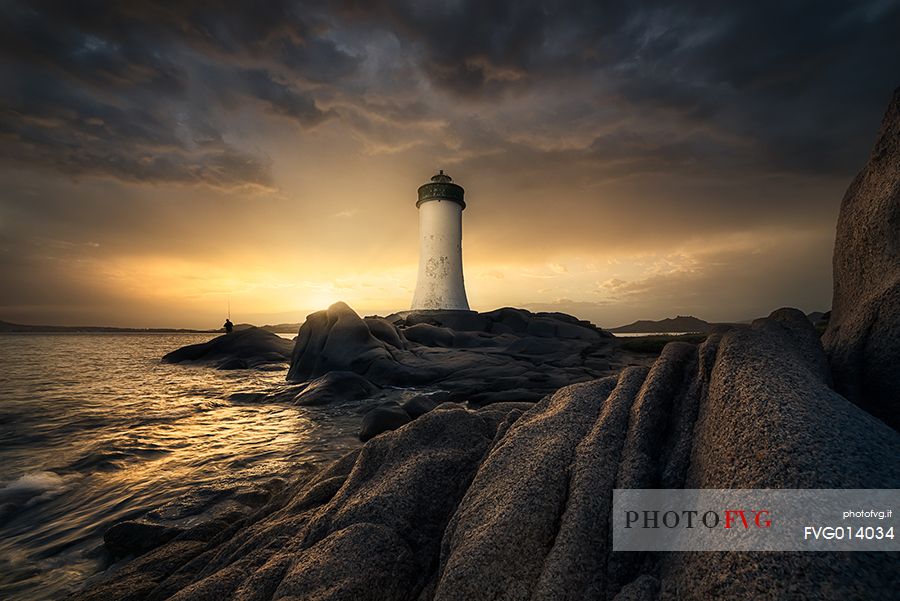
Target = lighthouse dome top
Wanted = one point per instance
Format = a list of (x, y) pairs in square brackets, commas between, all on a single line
[(441, 187)]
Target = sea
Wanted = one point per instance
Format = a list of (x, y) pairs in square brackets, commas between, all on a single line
[(94, 430), (642, 334)]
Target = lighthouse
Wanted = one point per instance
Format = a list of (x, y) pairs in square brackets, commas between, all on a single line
[(440, 282)]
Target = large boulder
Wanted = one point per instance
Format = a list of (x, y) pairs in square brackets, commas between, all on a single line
[(335, 339), (251, 347), (383, 418), (770, 420), (421, 404), (500, 536), (335, 386), (863, 335)]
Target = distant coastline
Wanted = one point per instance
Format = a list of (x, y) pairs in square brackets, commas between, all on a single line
[(8, 327), (682, 324), (645, 327), (688, 324)]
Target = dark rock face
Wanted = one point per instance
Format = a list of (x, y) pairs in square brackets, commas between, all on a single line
[(504, 355), (802, 435), (507, 355), (422, 404), (502, 503), (335, 340), (253, 347), (383, 418), (334, 386), (141, 577), (135, 538), (863, 335)]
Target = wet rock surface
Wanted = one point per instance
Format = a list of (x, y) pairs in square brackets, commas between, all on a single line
[(404, 365), (135, 538), (501, 503), (243, 349), (334, 386), (507, 354), (863, 335), (418, 360)]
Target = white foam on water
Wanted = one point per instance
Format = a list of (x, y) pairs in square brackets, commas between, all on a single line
[(35, 487)]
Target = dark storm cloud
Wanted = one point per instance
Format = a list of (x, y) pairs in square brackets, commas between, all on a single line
[(111, 89), (52, 124), (766, 86), (37, 39), (272, 33), (469, 48), (799, 85), (282, 99)]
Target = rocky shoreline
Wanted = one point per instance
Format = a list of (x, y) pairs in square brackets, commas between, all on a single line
[(503, 502), (500, 499), (397, 368)]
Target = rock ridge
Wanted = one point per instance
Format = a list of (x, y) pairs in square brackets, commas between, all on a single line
[(863, 335)]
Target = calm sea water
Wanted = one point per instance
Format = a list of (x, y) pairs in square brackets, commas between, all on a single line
[(641, 334), (94, 430)]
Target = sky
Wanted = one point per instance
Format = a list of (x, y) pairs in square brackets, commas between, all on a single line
[(621, 160)]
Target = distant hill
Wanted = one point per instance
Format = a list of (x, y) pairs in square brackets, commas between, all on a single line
[(682, 323), (283, 328), (278, 328), (689, 323), (6, 326)]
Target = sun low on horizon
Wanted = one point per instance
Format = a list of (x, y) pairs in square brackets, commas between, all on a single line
[(161, 167)]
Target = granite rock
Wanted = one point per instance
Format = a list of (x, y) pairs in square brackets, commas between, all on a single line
[(251, 347), (385, 417), (863, 335), (333, 387), (512, 501), (335, 340), (134, 538), (459, 354)]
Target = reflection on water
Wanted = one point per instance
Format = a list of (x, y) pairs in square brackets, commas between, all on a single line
[(94, 430), (642, 334)]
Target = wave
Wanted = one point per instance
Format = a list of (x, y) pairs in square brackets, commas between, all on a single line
[(34, 487)]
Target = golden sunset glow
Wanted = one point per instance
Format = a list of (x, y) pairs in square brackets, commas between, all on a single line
[(284, 182)]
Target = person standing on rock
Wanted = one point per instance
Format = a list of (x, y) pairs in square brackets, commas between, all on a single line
[(229, 327)]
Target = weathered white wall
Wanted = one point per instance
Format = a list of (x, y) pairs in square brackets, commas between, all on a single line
[(440, 282)]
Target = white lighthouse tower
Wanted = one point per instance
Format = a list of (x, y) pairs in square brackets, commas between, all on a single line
[(440, 282)]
